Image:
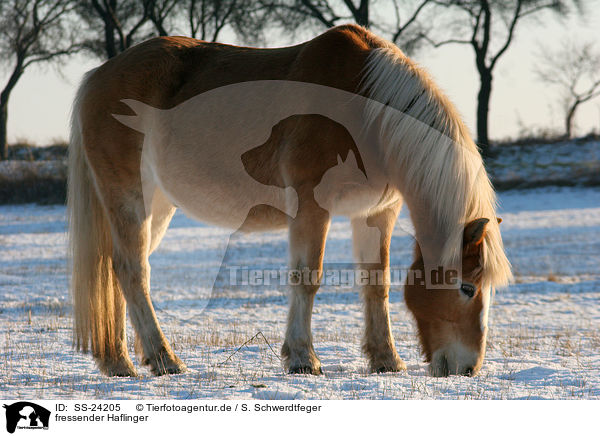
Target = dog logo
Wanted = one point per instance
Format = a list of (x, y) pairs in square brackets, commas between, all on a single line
[(26, 415)]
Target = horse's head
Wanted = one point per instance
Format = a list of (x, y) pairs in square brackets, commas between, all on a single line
[(452, 322)]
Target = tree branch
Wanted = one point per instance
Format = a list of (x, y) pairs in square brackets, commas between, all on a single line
[(511, 30), (409, 21), (351, 7), (48, 56), (316, 13), (437, 44)]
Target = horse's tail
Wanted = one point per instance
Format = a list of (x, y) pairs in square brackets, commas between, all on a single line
[(93, 283)]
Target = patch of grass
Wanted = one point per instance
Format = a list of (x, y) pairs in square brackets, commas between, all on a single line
[(43, 182), (553, 278), (543, 137), (28, 151)]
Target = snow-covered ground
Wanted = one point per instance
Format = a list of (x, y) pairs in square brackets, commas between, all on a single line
[(567, 163), (544, 339)]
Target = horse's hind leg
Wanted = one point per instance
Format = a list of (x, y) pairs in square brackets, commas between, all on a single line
[(98, 303), (162, 212), (371, 240), (307, 234), (131, 245), (122, 365), (131, 230)]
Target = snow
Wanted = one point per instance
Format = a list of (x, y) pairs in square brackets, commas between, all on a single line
[(15, 171), (544, 339), (566, 163)]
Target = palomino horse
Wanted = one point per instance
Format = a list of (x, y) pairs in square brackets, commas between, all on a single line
[(175, 121)]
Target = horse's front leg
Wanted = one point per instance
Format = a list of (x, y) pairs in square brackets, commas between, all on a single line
[(371, 240), (307, 234)]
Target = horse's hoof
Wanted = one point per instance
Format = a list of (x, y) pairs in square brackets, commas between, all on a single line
[(165, 363), (169, 370), (123, 373), (176, 367), (397, 365), (383, 369), (121, 368), (306, 369)]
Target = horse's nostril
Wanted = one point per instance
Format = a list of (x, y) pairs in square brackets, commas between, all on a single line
[(469, 371)]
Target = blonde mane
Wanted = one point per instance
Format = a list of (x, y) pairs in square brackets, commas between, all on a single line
[(431, 144)]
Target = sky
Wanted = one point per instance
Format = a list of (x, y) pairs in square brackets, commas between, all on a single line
[(40, 104)]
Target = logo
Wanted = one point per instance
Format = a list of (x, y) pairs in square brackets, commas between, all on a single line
[(26, 415)]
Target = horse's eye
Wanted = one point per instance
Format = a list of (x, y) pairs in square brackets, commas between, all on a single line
[(468, 289)]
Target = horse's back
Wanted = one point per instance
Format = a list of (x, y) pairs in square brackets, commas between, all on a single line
[(165, 72)]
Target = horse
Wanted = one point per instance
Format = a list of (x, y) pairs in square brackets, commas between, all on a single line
[(287, 115)]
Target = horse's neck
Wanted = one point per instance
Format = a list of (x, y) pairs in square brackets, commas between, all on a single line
[(431, 234)]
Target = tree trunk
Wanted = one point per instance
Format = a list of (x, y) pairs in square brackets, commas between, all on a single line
[(483, 109), (110, 47), (3, 121), (569, 119), (160, 28), (4, 96), (362, 14), (109, 40)]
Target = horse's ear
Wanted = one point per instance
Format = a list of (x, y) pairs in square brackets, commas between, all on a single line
[(499, 219), (475, 232), (339, 160)]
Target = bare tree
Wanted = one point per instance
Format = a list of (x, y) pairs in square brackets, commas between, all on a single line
[(489, 27), (31, 32), (402, 27), (114, 25), (207, 18), (162, 14), (574, 68)]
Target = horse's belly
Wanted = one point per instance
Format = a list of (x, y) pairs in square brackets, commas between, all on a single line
[(207, 208), (229, 205), (357, 201)]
